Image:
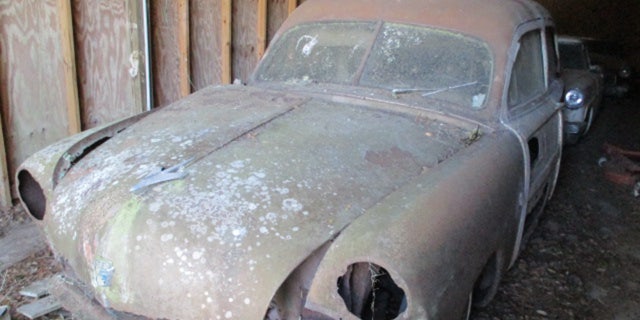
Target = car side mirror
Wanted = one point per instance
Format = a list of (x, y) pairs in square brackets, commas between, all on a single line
[(595, 68)]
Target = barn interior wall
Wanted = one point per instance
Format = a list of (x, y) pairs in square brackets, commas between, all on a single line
[(71, 65)]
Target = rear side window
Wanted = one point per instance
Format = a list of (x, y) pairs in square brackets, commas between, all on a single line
[(552, 54), (527, 76)]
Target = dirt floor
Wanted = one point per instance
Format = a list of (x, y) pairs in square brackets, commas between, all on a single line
[(582, 262)]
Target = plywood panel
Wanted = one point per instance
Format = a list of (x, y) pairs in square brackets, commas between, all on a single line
[(246, 45), (109, 59), (170, 28), (278, 11), (206, 43), (33, 81)]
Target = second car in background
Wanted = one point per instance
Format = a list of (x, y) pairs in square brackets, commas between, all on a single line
[(583, 88)]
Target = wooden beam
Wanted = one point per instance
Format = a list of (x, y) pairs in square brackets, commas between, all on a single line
[(5, 186), (69, 66), (292, 5), (226, 36), (261, 28), (183, 43)]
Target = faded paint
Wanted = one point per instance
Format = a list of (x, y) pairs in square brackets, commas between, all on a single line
[(295, 180), (288, 187)]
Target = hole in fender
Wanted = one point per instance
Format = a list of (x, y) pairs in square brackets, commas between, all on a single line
[(31, 194), (534, 151), (369, 292)]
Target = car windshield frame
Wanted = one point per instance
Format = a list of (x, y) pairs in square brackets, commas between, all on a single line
[(460, 70)]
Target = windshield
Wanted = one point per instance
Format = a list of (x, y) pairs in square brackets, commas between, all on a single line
[(403, 59)]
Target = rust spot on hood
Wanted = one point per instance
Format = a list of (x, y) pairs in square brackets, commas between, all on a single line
[(394, 157)]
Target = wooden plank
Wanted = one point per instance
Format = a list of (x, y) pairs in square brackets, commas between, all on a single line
[(170, 31), (245, 43), (69, 66), (226, 38), (278, 11), (292, 5), (261, 29), (39, 307), (36, 289), (110, 59), (206, 46), (33, 82), (5, 186)]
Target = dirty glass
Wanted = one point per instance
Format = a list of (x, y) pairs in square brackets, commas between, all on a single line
[(321, 52), (401, 59), (527, 76), (437, 63)]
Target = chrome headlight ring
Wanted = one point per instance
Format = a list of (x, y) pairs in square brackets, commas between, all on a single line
[(574, 98)]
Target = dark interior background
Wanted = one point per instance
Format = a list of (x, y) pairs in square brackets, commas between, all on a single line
[(616, 20)]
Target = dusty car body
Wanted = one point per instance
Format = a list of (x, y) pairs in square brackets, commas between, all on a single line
[(385, 161), (584, 88)]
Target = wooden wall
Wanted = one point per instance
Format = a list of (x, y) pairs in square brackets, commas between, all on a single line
[(71, 65), (39, 103), (110, 59)]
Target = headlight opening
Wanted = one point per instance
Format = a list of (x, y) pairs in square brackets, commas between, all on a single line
[(369, 292)]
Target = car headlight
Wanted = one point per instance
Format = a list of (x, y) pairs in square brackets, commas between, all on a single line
[(624, 73), (574, 98)]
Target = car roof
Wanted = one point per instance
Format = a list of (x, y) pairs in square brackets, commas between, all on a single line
[(494, 21)]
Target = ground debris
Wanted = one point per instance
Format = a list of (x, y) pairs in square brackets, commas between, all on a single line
[(582, 261)]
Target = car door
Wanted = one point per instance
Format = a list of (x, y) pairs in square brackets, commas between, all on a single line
[(532, 110)]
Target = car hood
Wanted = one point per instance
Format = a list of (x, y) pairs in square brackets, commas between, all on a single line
[(262, 180)]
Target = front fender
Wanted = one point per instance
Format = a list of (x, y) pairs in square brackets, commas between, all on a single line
[(38, 176), (435, 234)]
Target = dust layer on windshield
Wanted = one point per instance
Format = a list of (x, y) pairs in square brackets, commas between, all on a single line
[(401, 58)]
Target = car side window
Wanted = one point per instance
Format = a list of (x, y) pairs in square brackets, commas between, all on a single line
[(552, 55), (528, 74)]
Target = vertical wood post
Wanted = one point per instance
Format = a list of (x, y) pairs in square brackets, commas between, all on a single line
[(5, 186), (226, 36), (292, 5), (183, 43), (261, 29), (69, 66)]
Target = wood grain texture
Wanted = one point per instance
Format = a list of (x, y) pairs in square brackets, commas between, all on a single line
[(205, 43), (245, 46), (170, 31), (278, 11), (69, 66), (261, 28), (226, 38), (109, 60), (5, 186), (33, 86), (292, 5)]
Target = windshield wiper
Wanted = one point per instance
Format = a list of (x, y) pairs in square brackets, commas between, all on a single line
[(432, 91)]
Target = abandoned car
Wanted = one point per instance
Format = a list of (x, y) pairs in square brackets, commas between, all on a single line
[(583, 88), (384, 162)]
